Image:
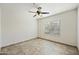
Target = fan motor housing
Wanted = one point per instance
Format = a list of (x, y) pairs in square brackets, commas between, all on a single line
[(38, 12)]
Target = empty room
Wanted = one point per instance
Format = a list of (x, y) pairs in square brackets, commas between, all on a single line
[(39, 29)]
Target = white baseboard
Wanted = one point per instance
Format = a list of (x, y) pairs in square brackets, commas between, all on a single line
[(27, 39)]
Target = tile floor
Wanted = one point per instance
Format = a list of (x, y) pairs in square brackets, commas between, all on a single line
[(39, 47)]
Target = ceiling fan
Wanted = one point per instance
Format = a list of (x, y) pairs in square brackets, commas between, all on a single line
[(38, 11)]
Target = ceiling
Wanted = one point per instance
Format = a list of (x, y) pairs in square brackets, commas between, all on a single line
[(54, 8)]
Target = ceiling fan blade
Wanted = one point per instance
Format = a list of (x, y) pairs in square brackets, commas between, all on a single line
[(44, 12), (32, 12)]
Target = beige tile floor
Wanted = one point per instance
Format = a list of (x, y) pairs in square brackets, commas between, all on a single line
[(40, 47)]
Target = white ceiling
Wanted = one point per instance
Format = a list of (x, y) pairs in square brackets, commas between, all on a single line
[(54, 8)]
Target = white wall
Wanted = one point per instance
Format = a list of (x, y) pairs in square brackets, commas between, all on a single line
[(78, 29), (0, 28), (68, 34), (17, 24)]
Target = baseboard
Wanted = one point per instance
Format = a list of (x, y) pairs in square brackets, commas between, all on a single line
[(38, 38), (56, 42), (18, 42)]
